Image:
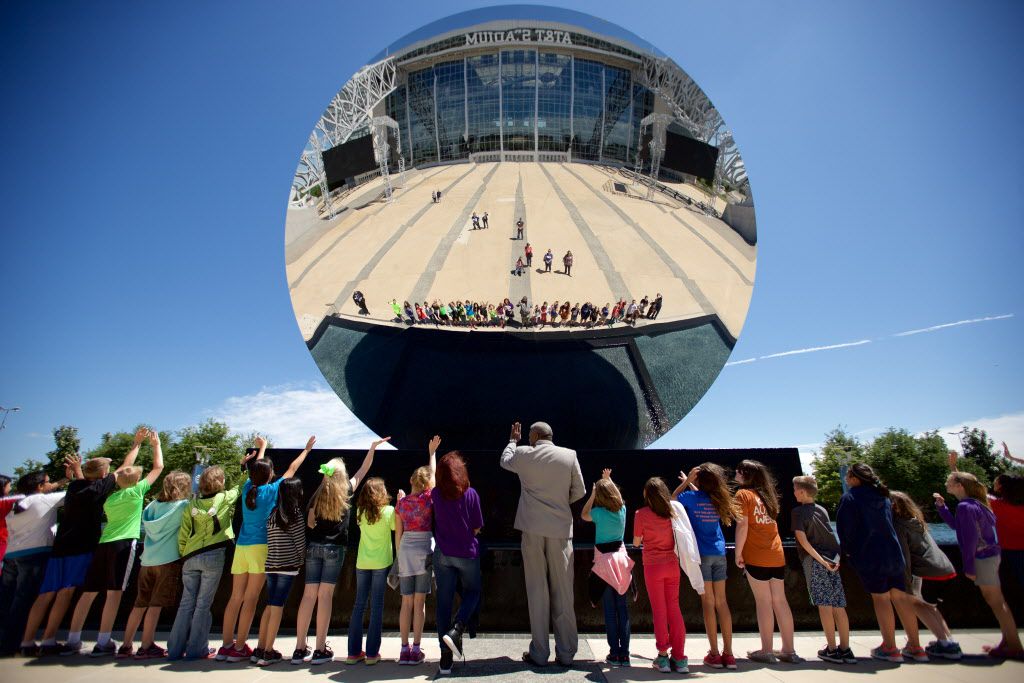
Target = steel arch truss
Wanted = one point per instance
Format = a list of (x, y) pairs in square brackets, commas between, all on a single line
[(349, 112), (692, 109)]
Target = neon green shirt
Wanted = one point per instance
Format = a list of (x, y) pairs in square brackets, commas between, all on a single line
[(124, 513), (375, 548)]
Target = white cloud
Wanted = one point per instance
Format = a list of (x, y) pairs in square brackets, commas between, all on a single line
[(943, 326), (1008, 428), (288, 414)]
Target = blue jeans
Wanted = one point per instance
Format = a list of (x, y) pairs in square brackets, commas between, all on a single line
[(448, 571), (190, 634), (19, 586), (370, 583), (323, 563), (616, 621)]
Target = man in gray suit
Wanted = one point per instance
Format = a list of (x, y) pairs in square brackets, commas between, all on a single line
[(550, 478)]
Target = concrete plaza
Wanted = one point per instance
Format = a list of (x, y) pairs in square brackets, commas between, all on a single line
[(496, 658)]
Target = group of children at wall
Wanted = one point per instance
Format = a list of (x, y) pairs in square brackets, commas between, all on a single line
[(881, 534)]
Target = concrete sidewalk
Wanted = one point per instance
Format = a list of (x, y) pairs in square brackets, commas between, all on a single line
[(496, 658)]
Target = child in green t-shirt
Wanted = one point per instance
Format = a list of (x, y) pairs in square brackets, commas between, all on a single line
[(114, 558), (376, 519)]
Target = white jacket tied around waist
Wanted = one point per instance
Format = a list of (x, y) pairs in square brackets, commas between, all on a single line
[(686, 547)]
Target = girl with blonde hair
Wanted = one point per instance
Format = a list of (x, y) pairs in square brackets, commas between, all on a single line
[(327, 526), (414, 537)]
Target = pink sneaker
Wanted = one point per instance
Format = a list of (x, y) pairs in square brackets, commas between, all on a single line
[(224, 651), (416, 656), (239, 654), (403, 658), (728, 661), (713, 660)]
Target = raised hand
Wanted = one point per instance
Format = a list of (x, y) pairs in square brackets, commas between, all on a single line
[(517, 432), (140, 436), (606, 473), (379, 442), (952, 458), (434, 444), (939, 500), (401, 494), (259, 441), (310, 442), (154, 438)]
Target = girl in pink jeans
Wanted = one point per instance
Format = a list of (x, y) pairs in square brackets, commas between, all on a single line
[(652, 528)]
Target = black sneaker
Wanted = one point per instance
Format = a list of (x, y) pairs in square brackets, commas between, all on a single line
[(69, 649), (256, 655), (303, 655), (28, 650), (453, 639), (322, 656), (50, 650), (833, 655), (270, 657), (847, 655), (445, 667)]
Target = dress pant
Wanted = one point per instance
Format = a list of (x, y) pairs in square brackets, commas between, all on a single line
[(548, 570)]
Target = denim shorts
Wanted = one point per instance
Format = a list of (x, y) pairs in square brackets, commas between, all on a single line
[(713, 567), (323, 562), (420, 583), (278, 588)]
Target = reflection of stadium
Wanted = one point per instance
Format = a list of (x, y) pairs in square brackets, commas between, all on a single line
[(601, 144)]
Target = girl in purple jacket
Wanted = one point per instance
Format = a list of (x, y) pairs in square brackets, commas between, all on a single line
[(975, 527)]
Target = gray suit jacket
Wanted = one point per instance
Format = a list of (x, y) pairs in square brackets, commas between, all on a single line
[(551, 479)]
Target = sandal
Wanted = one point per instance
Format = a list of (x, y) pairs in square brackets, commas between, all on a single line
[(762, 657)]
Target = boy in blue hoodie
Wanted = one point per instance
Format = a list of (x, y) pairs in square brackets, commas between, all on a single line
[(160, 576)]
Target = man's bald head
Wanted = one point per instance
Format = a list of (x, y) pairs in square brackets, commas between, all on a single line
[(540, 430)]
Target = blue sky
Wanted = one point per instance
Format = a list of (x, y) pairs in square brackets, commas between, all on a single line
[(148, 150)]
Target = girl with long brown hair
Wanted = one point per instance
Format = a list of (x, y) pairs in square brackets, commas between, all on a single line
[(704, 494), (376, 519), (759, 555), (652, 529)]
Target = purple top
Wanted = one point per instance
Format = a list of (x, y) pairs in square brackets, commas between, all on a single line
[(454, 521), (975, 527)]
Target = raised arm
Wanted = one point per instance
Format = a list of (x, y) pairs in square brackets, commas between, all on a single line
[(432, 447), (509, 454), (1006, 454), (585, 513), (297, 462), (952, 461), (74, 464), (133, 452), (158, 458), (367, 462), (686, 481)]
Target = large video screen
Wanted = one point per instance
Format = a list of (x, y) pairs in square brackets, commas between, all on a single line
[(348, 160), (687, 155)]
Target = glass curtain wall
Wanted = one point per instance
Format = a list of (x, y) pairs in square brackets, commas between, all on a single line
[(554, 75), (587, 108), (643, 105), (421, 116), (451, 110), (518, 98), (483, 103), (396, 109), (616, 113)]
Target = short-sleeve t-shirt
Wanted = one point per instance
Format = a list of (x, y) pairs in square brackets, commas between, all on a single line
[(454, 522), (416, 511), (329, 532), (31, 530), (1009, 524), (375, 547), (658, 541), (610, 526), (123, 508), (763, 547), (254, 522), (80, 526), (813, 520), (705, 521)]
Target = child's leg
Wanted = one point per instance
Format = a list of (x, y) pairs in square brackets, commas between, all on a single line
[(676, 625), (373, 633), (134, 619), (81, 613), (842, 625), (783, 615), (355, 622), (994, 597), (231, 610), (211, 567), (622, 609), (110, 607), (405, 619), (149, 626), (324, 607), (190, 578), (724, 616), (828, 625), (253, 588), (886, 618), (35, 617), (654, 578), (419, 615), (273, 615), (908, 618), (261, 639), (305, 614), (707, 604), (765, 617), (932, 619), (57, 612), (610, 620)]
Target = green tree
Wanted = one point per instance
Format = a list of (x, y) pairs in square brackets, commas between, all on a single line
[(66, 442), (839, 448), (214, 442), (981, 450), (30, 465)]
